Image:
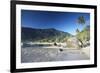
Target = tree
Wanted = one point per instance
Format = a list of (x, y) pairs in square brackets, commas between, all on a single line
[(77, 31), (81, 20)]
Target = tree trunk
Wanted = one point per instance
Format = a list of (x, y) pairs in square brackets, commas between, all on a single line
[(82, 45)]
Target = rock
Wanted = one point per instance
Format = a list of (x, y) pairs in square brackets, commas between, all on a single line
[(73, 43), (55, 44), (60, 50)]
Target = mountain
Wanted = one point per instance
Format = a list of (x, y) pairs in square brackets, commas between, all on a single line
[(43, 35)]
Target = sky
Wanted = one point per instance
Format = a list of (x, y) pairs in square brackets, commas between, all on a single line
[(63, 21)]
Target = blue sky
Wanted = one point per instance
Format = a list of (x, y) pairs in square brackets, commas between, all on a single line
[(63, 21)]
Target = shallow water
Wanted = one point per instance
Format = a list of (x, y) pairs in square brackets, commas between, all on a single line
[(41, 54)]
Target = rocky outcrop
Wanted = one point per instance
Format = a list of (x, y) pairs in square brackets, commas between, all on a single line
[(73, 43)]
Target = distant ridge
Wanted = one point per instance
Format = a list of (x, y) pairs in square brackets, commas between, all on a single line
[(50, 34)]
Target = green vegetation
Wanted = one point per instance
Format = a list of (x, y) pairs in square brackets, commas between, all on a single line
[(51, 35), (80, 40), (84, 36)]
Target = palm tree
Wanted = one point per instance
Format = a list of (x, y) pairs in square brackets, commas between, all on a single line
[(81, 20), (77, 31)]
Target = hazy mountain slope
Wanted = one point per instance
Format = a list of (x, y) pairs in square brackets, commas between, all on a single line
[(51, 34)]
